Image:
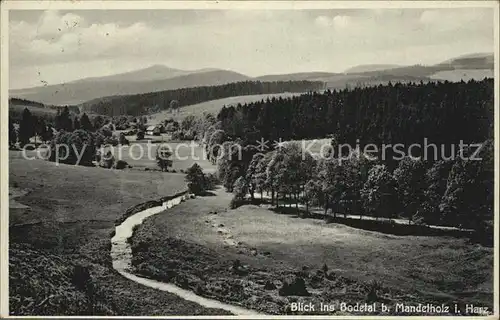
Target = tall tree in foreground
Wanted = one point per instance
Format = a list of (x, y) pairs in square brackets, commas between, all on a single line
[(379, 193), (76, 123), (40, 129), (26, 127), (12, 133), (85, 123), (468, 199), (411, 184), (436, 179), (274, 172), (240, 190), (252, 174), (195, 179), (63, 120), (163, 155)]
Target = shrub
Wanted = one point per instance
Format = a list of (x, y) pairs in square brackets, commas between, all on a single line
[(235, 203), (296, 288), (325, 268), (66, 145), (211, 181), (99, 139), (120, 164), (122, 140), (195, 179), (240, 188), (106, 131), (269, 285), (107, 160), (162, 158), (372, 292), (111, 141), (140, 135), (178, 135)]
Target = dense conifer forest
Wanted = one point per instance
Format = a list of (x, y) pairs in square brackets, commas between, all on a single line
[(141, 104), (447, 188)]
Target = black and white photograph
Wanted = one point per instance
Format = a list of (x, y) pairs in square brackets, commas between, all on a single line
[(253, 159)]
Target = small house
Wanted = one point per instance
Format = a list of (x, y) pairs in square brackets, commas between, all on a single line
[(153, 130)]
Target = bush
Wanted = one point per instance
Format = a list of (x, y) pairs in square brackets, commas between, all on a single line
[(122, 140), (111, 141), (195, 179), (269, 285), (162, 158), (107, 160), (235, 203), (66, 145), (211, 181), (120, 164), (295, 288), (140, 135), (372, 291)]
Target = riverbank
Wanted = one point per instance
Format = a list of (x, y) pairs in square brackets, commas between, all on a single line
[(61, 222), (245, 256)]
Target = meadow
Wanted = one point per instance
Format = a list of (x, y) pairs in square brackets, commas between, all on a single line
[(61, 220), (213, 106), (274, 248), (184, 155)]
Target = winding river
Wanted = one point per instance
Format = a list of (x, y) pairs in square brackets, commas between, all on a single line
[(121, 255)]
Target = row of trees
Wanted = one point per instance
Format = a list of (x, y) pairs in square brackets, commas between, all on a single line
[(455, 192), (29, 126), (444, 113), (140, 104)]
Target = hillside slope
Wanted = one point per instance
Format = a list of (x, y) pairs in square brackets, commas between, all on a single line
[(84, 90), (158, 78), (214, 106), (152, 102)]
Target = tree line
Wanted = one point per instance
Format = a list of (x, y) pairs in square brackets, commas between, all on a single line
[(457, 192), (442, 112), (144, 103), (453, 191)]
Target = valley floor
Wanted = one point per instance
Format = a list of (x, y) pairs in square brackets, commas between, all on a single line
[(195, 248), (62, 218), (61, 221)]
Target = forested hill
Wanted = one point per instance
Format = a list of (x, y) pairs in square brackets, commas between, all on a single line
[(139, 104), (443, 112)]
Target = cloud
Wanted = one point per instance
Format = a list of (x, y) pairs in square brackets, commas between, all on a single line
[(448, 20), (254, 42), (52, 23), (67, 37), (338, 21)]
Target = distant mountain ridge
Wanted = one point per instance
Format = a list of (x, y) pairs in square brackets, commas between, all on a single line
[(159, 78), (154, 72), (87, 89), (371, 67)]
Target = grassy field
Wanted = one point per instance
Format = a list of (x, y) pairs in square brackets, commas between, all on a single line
[(184, 155), (16, 111), (61, 218), (463, 74), (212, 106), (191, 246)]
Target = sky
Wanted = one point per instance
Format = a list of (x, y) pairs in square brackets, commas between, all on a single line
[(61, 46)]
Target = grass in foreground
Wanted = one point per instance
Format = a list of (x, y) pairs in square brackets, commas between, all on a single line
[(59, 246), (195, 248)]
